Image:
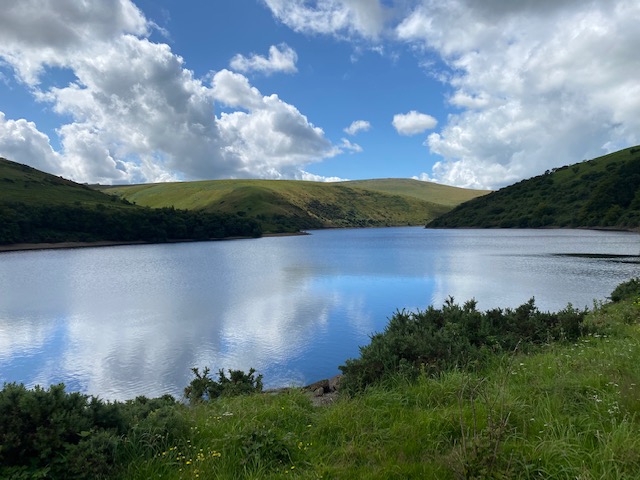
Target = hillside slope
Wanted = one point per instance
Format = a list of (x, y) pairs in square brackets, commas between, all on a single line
[(36, 207), (300, 204), (603, 192), (23, 184), (427, 191)]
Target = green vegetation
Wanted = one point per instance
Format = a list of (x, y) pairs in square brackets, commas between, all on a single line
[(437, 340), (603, 192), (566, 407), (36, 207), (288, 205), (204, 388)]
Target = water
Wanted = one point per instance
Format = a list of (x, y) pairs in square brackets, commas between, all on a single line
[(132, 320)]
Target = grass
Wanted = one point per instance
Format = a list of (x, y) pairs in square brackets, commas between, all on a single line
[(602, 192), (566, 412), (278, 205), (343, 204), (430, 192), (23, 184)]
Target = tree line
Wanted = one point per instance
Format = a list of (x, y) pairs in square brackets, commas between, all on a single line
[(20, 223)]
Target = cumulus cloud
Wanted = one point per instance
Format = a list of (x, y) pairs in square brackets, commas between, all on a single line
[(413, 123), (357, 127), (282, 58), (540, 83), (21, 139), (346, 18), (352, 147), (35, 33), (137, 113), (533, 84)]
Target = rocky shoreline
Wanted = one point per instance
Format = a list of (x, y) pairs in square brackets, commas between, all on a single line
[(322, 392)]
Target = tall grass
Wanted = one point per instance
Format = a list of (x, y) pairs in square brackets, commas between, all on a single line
[(566, 412)]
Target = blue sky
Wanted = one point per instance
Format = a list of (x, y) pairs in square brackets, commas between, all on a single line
[(461, 92)]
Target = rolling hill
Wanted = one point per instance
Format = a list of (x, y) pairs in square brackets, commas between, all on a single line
[(36, 207), (600, 193), (282, 205), (29, 186)]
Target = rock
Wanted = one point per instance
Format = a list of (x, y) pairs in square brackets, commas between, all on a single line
[(334, 383), (318, 392), (324, 384)]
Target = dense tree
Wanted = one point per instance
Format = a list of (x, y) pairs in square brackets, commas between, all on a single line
[(20, 223)]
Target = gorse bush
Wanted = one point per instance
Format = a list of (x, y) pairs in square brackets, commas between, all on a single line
[(455, 336), (49, 433), (204, 387), (629, 290)]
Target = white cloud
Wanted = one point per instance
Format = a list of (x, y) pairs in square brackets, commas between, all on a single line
[(352, 147), (35, 33), (348, 18), (541, 83), (137, 114), (282, 59), (357, 127), (271, 135), (413, 123), (21, 141), (312, 177)]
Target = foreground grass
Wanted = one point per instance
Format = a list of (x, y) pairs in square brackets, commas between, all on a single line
[(569, 411)]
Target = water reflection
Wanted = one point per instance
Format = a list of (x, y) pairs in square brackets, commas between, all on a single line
[(125, 321)]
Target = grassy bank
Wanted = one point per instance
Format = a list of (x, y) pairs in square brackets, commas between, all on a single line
[(565, 410)]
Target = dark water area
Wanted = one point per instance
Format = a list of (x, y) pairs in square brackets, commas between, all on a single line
[(132, 320)]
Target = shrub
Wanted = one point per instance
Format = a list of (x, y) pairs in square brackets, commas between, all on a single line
[(204, 387), (629, 290), (454, 337), (49, 433)]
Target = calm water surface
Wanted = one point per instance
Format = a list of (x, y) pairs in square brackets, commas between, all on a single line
[(125, 321)]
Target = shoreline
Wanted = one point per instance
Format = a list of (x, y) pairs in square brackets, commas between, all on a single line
[(23, 247)]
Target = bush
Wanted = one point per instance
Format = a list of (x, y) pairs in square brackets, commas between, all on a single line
[(204, 387), (454, 337), (629, 290), (50, 433)]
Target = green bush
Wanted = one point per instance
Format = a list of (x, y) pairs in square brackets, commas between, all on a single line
[(454, 337), (629, 290), (49, 433), (204, 387)]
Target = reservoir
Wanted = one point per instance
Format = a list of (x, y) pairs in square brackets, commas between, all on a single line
[(124, 321)]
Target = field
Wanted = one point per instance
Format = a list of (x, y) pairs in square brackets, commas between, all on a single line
[(381, 202)]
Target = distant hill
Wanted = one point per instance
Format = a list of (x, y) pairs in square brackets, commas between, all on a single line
[(281, 205), (29, 186), (603, 192), (36, 207)]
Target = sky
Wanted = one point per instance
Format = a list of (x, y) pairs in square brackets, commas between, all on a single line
[(470, 93)]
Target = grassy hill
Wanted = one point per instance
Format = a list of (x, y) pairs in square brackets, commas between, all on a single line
[(603, 192), (295, 204), (430, 192), (29, 186), (36, 207)]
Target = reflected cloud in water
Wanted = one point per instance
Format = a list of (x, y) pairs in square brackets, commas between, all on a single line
[(125, 321)]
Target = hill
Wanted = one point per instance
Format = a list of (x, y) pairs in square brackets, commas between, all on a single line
[(285, 205), (36, 207), (603, 193), (29, 186)]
